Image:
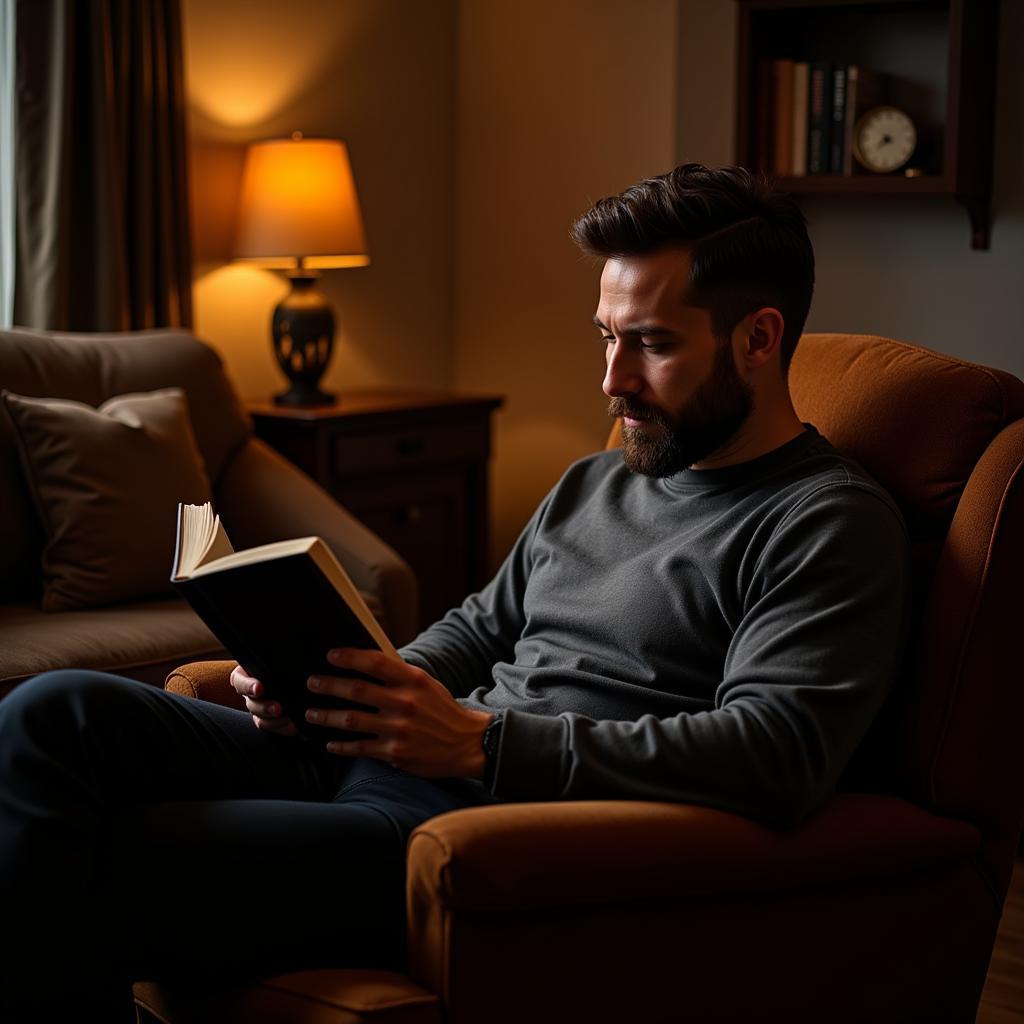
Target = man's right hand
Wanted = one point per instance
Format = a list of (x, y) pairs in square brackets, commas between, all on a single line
[(265, 713)]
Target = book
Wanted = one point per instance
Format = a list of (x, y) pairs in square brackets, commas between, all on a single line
[(782, 138), (864, 89), (818, 117), (278, 608), (838, 109), (800, 83)]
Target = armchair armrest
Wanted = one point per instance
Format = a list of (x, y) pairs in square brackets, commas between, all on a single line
[(512, 858), (207, 680), (262, 497), (529, 855)]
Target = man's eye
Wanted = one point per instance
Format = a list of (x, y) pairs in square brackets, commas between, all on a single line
[(653, 347), (608, 339)]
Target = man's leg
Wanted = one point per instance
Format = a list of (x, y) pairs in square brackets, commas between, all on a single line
[(145, 834)]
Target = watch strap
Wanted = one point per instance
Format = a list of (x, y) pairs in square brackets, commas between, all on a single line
[(490, 742)]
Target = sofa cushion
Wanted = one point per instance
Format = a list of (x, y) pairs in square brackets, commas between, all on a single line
[(106, 484), (144, 640), (92, 368)]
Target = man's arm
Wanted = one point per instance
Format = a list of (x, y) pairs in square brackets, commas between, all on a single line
[(462, 648)]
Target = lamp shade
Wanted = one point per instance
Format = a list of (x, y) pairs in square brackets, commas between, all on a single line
[(299, 202)]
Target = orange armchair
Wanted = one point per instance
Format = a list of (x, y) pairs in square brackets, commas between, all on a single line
[(883, 906)]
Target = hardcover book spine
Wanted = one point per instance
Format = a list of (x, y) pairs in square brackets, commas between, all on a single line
[(852, 79), (799, 115), (836, 128), (818, 117), (782, 74)]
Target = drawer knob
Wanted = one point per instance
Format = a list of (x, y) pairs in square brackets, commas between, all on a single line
[(411, 514)]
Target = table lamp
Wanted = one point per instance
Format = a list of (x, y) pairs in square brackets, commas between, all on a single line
[(299, 211)]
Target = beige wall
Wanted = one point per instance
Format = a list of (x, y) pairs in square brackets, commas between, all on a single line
[(478, 129), (379, 74), (889, 265), (559, 104)]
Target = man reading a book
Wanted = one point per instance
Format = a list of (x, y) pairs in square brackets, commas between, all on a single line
[(712, 614)]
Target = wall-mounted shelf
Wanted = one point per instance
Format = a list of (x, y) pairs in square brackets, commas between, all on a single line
[(939, 58)]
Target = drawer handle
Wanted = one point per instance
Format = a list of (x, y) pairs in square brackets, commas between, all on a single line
[(411, 447)]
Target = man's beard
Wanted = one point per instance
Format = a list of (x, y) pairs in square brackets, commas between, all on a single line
[(712, 417)]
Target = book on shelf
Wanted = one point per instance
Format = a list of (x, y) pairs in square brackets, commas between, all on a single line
[(799, 115), (819, 116), (278, 608), (782, 141), (837, 106), (864, 89)]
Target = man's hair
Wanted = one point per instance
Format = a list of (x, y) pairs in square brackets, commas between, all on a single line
[(748, 244)]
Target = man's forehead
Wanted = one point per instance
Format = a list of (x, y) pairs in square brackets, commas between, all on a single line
[(639, 285), (663, 271)]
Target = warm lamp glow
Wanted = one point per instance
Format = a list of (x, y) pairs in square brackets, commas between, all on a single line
[(298, 202)]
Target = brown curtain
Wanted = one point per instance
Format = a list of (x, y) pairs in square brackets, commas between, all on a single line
[(102, 234)]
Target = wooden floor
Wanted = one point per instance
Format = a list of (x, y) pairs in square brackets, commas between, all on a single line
[(1002, 1002)]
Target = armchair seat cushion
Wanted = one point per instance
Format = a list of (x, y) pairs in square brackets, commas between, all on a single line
[(144, 640), (344, 996)]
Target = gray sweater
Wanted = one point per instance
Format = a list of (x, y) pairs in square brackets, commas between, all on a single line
[(721, 637)]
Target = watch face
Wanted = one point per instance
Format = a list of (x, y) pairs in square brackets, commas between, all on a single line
[(884, 139)]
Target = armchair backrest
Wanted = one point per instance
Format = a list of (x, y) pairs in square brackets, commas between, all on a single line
[(946, 438), (92, 368)]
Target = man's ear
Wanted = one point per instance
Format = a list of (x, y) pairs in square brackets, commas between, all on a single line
[(761, 337)]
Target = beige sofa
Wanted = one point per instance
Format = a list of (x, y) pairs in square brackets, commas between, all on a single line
[(261, 495)]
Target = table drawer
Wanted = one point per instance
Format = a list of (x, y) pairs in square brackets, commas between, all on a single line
[(387, 451)]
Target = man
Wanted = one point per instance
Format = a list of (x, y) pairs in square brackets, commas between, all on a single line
[(713, 614)]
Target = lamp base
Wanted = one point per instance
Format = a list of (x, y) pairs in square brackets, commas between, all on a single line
[(299, 395), (303, 331)]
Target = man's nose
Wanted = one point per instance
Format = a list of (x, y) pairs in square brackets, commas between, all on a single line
[(620, 377)]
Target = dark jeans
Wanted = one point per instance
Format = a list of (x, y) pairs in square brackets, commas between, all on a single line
[(148, 835)]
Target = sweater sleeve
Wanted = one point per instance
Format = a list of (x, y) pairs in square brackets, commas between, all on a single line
[(462, 648), (818, 645)]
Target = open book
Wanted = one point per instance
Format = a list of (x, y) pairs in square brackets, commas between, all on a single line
[(277, 608)]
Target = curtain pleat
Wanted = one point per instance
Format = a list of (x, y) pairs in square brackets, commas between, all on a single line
[(103, 240)]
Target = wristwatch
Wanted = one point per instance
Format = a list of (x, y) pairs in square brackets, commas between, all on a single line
[(491, 742)]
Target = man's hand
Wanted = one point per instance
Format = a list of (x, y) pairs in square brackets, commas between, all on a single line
[(265, 713), (419, 728)]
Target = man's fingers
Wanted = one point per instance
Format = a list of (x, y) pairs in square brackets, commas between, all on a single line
[(354, 721), (375, 664), (281, 726), (245, 685), (263, 708)]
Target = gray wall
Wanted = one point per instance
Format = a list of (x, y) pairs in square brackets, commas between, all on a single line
[(901, 267)]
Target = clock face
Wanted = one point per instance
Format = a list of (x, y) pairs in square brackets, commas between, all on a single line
[(884, 139)]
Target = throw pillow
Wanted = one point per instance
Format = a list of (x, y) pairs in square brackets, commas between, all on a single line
[(106, 484)]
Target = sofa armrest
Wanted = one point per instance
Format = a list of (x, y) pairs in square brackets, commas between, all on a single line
[(206, 680), (262, 497)]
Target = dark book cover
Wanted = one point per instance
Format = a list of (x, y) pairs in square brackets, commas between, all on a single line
[(819, 117), (836, 133), (279, 618)]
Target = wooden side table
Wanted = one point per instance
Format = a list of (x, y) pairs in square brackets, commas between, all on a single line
[(410, 465)]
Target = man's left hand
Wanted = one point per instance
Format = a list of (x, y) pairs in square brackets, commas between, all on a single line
[(419, 728)]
